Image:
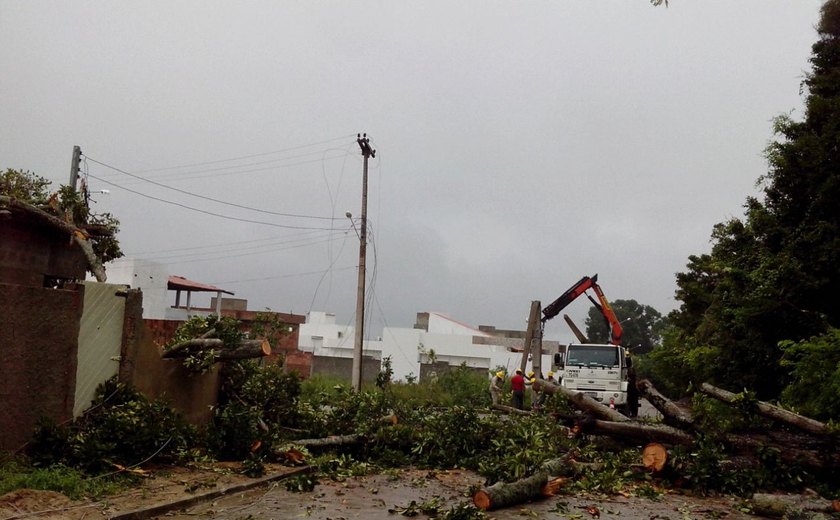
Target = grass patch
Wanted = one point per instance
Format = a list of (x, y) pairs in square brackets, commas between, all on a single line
[(62, 479)]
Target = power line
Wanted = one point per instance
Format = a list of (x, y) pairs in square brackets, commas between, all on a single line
[(202, 174), (286, 275), (211, 246), (202, 196), (263, 154), (250, 221), (253, 250)]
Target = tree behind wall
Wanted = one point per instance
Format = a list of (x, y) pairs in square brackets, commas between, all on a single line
[(772, 275)]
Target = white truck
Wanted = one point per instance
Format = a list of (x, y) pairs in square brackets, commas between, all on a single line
[(599, 371)]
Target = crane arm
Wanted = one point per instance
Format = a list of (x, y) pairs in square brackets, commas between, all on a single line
[(603, 305)]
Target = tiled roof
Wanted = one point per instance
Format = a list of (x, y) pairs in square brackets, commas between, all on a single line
[(181, 283)]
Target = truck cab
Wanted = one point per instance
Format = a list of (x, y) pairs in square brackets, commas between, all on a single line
[(599, 371)]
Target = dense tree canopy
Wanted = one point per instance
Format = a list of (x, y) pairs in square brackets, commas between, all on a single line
[(772, 275), (642, 325)]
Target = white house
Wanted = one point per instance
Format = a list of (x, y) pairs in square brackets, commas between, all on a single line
[(435, 338), (165, 296)]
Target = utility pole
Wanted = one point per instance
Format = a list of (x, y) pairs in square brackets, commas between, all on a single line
[(74, 166), (367, 152), (530, 332)]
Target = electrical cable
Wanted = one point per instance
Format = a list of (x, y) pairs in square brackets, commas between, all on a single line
[(263, 154), (228, 217), (211, 246), (205, 174), (218, 201), (258, 248)]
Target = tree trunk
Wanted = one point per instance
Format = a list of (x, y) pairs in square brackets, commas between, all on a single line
[(814, 459), (247, 349), (582, 401), (333, 440), (503, 494), (770, 411), (784, 505), (654, 457), (641, 431), (673, 414)]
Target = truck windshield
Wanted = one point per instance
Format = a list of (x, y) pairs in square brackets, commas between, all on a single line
[(592, 356)]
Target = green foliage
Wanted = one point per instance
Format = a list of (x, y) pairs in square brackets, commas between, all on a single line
[(458, 386), (450, 438), (32, 189), (121, 427), (614, 474), (62, 479), (815, 375), (342, 467), (642, 324), (25, 186), (771, 276), (709, 468), (269, 325), (257, 403), (518, 447), (383, 378), (301, 483)]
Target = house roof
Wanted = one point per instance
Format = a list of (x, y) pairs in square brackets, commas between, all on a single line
[(182, 284)]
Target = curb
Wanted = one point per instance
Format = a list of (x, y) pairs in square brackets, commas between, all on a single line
[(160, 509)]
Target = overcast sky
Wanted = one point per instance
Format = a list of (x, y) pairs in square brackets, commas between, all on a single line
[(520, 144)]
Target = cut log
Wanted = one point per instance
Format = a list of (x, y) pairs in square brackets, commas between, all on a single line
[(784, 505), (673, 414), (770, 411), (333, 440), (247, 349), (644, 432), (581, 401), (553, 486), (654, 457), (503, 494)]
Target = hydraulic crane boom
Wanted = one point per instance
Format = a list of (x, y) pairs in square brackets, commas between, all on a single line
[(603, 305)]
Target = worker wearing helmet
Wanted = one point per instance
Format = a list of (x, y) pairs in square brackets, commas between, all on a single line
[(550, 378), (496, 386), (517, 384)]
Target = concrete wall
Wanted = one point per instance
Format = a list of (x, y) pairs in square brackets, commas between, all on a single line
[(343, 367), (39, 333), (193, 395)]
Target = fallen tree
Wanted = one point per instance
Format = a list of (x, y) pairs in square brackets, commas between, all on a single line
[(768, 410), (581, 401), (247, 349), (671, 412)]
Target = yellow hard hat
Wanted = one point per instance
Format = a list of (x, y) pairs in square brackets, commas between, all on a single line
[(500, 374), (531, 373), (533, 379), (550, 374)]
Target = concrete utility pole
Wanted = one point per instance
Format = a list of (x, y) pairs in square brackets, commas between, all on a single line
[(74, 166), (530, 332), (367, 152)]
